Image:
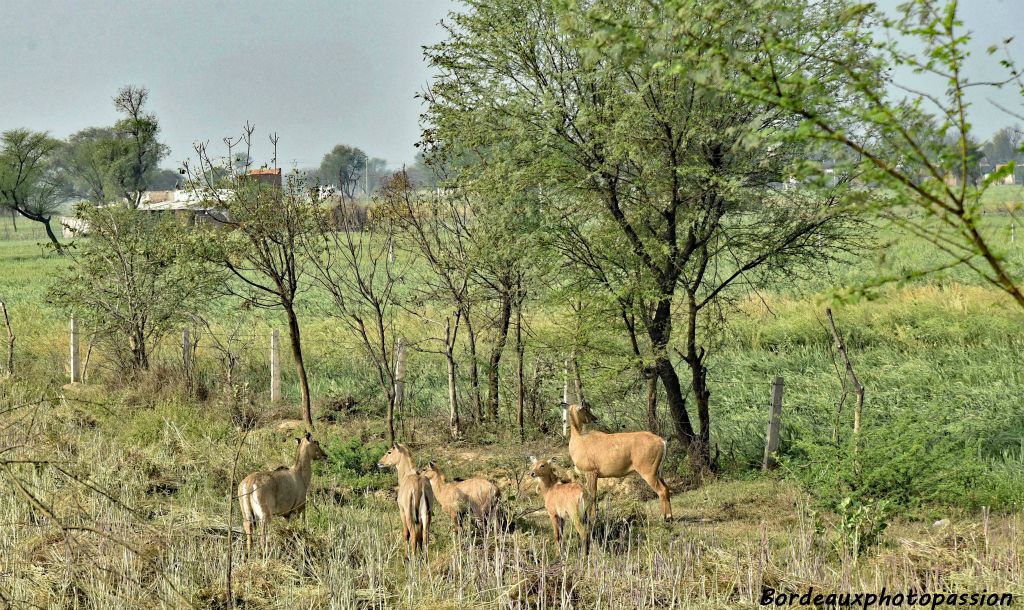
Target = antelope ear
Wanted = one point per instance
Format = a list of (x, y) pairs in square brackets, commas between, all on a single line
[(533, 459), (298, 441), (309, 436), (553, 460), (431, 464)]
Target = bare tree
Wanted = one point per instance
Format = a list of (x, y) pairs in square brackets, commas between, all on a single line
[(267, 251), (360, 272), (431, 227)]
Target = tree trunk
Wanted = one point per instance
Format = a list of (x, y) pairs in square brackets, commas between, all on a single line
[(652, 399), (300, 365), (474, 369), (140, 357), (701, 453), (10, 339), (578, 381), (53, 238), (504, 321), (453, 398), (396, 397), (660, 331), (520, 379)]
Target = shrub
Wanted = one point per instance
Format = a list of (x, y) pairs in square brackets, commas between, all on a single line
[(355, 463), (133, 281)]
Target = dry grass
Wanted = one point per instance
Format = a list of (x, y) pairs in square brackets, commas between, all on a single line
[(156, 535)]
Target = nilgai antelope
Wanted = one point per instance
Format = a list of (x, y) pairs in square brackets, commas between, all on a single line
[(265, 494), (458, 498), (600, 455), (562, 501), (415, 499)]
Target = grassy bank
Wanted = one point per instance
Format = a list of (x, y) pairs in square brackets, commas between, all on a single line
[(117, 492)]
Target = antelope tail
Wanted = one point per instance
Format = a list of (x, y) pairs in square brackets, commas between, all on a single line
[(424, 512), (664, 453), (245, 503), (413, 506)]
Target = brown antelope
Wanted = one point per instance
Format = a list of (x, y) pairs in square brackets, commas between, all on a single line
[(265, 494), (458, 498), (600, 455), (415, 499), (562, 501)]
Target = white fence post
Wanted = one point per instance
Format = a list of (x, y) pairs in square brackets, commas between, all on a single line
[(774, 423), (76, 359), (275, 365)]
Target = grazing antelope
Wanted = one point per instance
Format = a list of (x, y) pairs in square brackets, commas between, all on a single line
[(458, 498), (562, 501), (600, 455), (265, 494), (415, 499)]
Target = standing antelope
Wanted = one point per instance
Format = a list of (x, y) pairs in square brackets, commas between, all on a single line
[(478, 496), (264, 494), (562, 501), (600, 455), (415, 499)]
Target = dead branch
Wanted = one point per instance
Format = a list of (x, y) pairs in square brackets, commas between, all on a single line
[(10, 339), (858, 389)]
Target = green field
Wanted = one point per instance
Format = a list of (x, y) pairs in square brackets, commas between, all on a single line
[(145, 465)]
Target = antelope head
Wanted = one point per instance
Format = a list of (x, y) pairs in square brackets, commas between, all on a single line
[(393, 457), (583, 414), (311, 447), (432, 472), (541, 469)]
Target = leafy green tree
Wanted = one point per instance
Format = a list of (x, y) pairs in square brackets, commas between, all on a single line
[(669, 182), (86, 158), (376, 175), (135, 151), (890, 132), (1005, 145), (30, 181), (134, 281), (344, 165)]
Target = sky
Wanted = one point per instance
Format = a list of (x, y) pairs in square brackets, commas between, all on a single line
[(319, 73)]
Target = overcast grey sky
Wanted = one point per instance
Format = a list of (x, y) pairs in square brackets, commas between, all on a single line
[(319, 73)]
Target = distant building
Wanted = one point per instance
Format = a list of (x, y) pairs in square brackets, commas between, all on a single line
[(1010, 178), (265, 175), (187, 206)]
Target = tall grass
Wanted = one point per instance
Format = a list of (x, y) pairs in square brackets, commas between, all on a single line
[(160, 533), (137, 470)]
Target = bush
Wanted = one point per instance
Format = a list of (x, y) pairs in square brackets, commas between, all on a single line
[(133, 281), (354, 463)]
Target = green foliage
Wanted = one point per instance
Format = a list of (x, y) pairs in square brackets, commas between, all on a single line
[(916, 146), (87, 158), (344, 166), (132, 282), (354, 462), (860, 525), (134, 153), (30, 180)]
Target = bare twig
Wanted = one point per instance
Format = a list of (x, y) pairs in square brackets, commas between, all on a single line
[(10, 339), (858, 389)]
